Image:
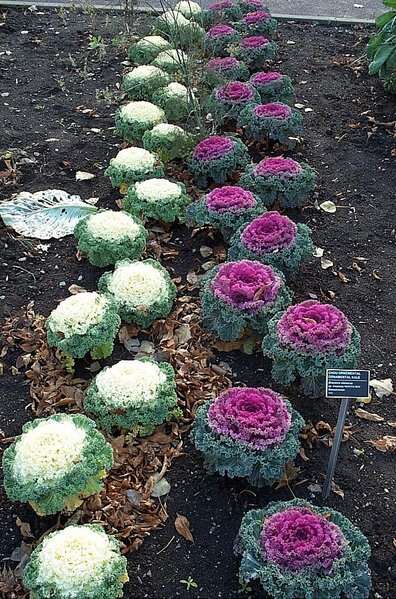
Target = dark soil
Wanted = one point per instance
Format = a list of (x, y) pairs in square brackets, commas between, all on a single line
[(47, 78)]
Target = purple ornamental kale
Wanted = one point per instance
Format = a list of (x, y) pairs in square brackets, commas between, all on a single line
[(229, 198), (311, 327), (254, 41), (265, 77), (298, 538), (220, 30), (278, 167), (246, 285), (256, 417), (269, 232), (222, 64), (256, 17), (273, 110), (235, 92), (213, 148)]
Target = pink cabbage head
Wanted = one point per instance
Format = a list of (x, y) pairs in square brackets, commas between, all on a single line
[(298, 538), (311, 327), (269, 232), (229, 198), (278, 166), (235, 92), (273, 110), (213, 148), (246, 285)]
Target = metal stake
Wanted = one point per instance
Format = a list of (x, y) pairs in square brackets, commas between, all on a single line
[(342, 414)]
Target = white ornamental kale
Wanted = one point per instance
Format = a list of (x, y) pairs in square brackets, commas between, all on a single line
[(79, 562)]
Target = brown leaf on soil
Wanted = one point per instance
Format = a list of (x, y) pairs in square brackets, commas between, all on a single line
[(138, 461), (24, 528), (290, 474), (364, 415), (182, 526), (384, 444)]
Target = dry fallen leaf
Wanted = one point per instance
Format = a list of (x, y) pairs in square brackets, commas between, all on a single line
[(328, 206), (382, 388), (326, 263), (182, 526), (360, 413), (82, 176), (386, 443)]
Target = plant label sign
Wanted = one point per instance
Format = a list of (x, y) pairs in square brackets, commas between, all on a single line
[(347, 383), (342, 384)]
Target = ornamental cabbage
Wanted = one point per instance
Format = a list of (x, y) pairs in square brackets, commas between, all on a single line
[(134, 118), (171, 60), (255, 50), (143, 291), (273, 87), (221, 11), (220, 70), (218, 39), (189, 9), (141, 82), (135, 395), (159, 199), (274, 239), (108, 236), (295, 549), (275, 122), (217, 158), (282, 180), (181, 31), (78, 562), (176, 100), (247, 6), (226, 208), (168, 141), (241, 296), (56, 462), (82, 323), (133, 164), (228, 100), (307, 339), (258, 22), (249, 433), (147, 48)]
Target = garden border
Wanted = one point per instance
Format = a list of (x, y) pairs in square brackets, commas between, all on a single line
[(282, 17)]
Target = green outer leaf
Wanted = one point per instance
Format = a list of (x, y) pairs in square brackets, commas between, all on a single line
[(267, 27), (232, 458), (290, 192), (144, 316), (279, 130), (132, 129), (143, 55), (170, 146), (107, 585), (198, 214), (288, 260), (97, 455), (214, 78), (289, 364), (279, 90), (218, 46), (165, 209), (45, 214), (389, 3), (121, 173), (144, 88), (227, 110), (104, 252), (227, 322), (350, 575), (140, 418), (221, 168), (177, 109), (97, 336), (256, 57)]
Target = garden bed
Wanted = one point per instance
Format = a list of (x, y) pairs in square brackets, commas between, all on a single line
[(57, 105)]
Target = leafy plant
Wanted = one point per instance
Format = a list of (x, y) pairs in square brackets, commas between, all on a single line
[(381, 49), (189, 583)]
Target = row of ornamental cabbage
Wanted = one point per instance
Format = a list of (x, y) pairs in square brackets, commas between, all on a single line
[(294, 549)]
